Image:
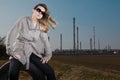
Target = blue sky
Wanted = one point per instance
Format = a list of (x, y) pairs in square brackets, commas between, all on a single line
[(103, 14)]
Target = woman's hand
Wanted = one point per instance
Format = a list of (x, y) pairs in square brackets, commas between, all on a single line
[(17, 56), (44, 60)]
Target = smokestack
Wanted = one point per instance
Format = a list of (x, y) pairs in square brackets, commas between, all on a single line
[(77, 38), (98, 45), (74, 34), (94, 36), (61, 42), (80, 45), (90, 43)]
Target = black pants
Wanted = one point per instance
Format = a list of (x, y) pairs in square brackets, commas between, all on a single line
[(33, 71), (15, 67), (4, 71), (45, 68), (35, 60)]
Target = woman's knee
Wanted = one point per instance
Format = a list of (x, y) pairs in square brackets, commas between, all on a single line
[(36, 73), (14, 67)]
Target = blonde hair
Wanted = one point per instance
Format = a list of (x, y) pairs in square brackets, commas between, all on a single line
[(46, 20)]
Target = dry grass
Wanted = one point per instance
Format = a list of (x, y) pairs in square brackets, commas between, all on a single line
[(88, 67), (82, 68)]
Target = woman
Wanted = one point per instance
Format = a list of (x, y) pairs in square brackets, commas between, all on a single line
[(24, 43)]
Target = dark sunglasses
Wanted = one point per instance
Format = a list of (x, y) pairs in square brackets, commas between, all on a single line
[(39, 10)]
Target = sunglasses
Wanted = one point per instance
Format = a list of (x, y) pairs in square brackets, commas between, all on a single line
[(40, 11)]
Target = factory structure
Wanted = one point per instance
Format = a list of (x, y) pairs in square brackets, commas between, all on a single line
[(77, 45)]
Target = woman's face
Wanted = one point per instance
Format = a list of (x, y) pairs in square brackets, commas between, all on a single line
[(39, 12)]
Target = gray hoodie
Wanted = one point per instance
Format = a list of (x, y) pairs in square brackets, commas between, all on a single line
[(24, 39)]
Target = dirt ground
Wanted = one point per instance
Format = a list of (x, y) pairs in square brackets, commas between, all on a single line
[(82, 67)]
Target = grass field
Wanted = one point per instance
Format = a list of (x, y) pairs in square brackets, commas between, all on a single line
[(83, 67)]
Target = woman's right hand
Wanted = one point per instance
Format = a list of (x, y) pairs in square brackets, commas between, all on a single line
[(17, 56)]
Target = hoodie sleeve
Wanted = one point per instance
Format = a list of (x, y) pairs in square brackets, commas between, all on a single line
[(18, 32), (48, 51), (10, 38)]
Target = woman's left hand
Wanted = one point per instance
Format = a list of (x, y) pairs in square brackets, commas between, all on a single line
[(44, 60)]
